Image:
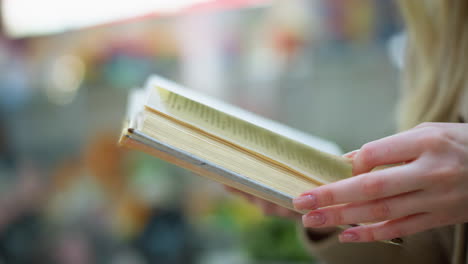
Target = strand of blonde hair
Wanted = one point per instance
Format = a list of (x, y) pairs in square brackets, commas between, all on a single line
[(436, 67)]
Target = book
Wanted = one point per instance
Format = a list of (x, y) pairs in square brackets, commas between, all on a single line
[(229, 145)]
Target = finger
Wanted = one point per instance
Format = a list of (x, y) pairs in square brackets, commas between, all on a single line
[(267, 208), (367, 212), (231, 189), (389, 229), (366, 187), (287, 213), (350, 155), (430, 124), (394, 149)]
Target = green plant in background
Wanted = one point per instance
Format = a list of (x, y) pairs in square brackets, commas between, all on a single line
[(236, 214), (275, 239), (264, 239)]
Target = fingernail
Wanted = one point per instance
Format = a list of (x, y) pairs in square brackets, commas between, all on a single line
[(348, 237), (313, 219), (305, 202)]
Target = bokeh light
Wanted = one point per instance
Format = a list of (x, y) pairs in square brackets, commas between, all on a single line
[(66, 76)]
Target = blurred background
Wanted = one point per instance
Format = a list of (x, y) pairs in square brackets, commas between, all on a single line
[(69, 194)]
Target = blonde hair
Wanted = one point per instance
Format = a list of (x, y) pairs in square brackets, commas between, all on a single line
[(436, 67)]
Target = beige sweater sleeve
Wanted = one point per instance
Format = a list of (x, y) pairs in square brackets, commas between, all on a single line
[(431, 247)]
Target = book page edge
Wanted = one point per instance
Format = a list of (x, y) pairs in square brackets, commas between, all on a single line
[(136, 139)]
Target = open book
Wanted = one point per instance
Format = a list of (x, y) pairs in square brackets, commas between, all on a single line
[(228, 144)]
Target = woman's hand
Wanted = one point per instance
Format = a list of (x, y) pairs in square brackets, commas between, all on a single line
[(429, 189)]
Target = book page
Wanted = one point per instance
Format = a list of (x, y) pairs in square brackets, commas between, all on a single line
[(281, 129), (312, 163)]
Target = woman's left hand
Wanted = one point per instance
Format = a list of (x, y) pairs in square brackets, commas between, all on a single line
[(429, 189)]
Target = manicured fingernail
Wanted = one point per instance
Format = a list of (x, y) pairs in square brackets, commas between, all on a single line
[(305, 202), (313, 219), (349, 237)]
